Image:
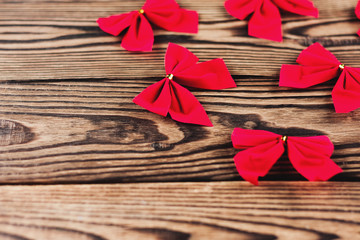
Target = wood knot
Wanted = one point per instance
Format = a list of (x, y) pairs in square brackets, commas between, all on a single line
[(14, 133)]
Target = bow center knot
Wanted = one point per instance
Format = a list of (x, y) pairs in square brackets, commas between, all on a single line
[(284, 138), (170, 76), (342, 66), (141, 11)]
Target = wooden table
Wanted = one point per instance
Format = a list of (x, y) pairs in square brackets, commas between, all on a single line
[(79, 160)]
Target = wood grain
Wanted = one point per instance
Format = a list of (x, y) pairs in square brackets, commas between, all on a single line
[(181, 211), (91, 131), (60, 40)]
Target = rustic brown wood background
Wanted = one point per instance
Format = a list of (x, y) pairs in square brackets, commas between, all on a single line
[(79, 160)]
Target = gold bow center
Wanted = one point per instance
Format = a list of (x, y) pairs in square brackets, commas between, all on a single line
[(170, 76), (141, 11)]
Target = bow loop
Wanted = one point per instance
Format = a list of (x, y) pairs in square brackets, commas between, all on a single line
[(139, 36), (346, 92), (265, 21), (310, 156), (257, 161), (185, 107), (301, 7), (240, 8), (317, 55), (246, 138), (115, 24), (155, 98), (212, 75), (178, 58), (168, 15), (182, 63)]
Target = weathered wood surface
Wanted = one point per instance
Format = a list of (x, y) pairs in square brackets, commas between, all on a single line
[(78, 124), (181, 211), (66, 116)]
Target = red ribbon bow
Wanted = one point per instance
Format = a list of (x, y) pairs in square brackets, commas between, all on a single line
[(140, 37), (168, 96), (357, 12), (318, 65), (310, 156), (266, 20)]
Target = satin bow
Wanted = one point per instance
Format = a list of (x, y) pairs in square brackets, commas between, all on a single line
[(266, 20), (318, 65), (140, 37), (168, 96), (310, 156), (357, 12)]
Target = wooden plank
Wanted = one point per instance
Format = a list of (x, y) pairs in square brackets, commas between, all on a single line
[(49, 40), (222, 210), (92, 132)]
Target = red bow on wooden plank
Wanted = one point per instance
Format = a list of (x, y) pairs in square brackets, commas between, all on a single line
[(168, 96), (310, 156), (266, 20), (140, 37), (318, 65)]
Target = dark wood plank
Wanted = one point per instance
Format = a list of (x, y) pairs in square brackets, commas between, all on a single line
[(49, 40), (181, 211), (90, 131)]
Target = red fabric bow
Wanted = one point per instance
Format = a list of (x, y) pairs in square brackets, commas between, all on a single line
[(310, 156), (318, 65), (266, 20), (357, 12), (168, 96), (140, 37)]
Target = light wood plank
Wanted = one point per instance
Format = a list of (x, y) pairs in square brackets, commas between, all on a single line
[(184, 211), (61, 40)]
